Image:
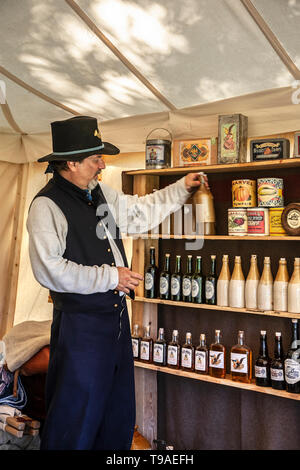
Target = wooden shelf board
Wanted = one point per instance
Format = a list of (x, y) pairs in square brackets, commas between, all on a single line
[(238, 167), (226, 382), (217, 307), (156, 236)]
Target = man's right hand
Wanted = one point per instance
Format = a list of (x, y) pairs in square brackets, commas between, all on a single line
[(128, 280)]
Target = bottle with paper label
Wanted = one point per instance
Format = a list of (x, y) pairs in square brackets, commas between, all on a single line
[(151, 277), (173, 352), (241, 361), (251, 285), (237, 285), (211, 283), (176, 280), (281, 287), (223, 283), (277, 364), (217, 357), (165, 280), (136, 342), (292, 361), (262, 363), (187, 353), (201, 356), (160, 349), (197, 283), (294, 289), (146, 348), (265, 287), (187, 281)]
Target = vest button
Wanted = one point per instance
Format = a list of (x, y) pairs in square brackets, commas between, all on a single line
[(115, 292), (112, 264), (116, 305), (89, 203), (104, 237), (108, 249)]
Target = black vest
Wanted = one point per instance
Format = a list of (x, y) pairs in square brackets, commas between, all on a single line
[(86, 241)]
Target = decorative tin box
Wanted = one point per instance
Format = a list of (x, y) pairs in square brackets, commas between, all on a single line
[(269, 149), (232, 138), (191, 152)]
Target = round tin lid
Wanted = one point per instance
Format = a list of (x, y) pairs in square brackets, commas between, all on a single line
[(158, 142)]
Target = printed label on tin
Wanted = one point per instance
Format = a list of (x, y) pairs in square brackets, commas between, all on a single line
[(256, 221), (155, 154), (243, 193), (237, 221), (270, 192), (293, 219)]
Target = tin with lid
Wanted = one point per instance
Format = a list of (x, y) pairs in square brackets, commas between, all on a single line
[(258, 221), (158, 151), (237, 221), (270, 192)]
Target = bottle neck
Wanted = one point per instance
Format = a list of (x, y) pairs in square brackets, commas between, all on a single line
[(152, 256), (263, 350), (175, 338), (278, 352), (178, 265), (213, 267), (241, 340), (217, 337), (136, 330), (295, 335), (161, 335), (147, 332), (188, 339), (189, 265), (198, 265), (167, 263), (202, 341)]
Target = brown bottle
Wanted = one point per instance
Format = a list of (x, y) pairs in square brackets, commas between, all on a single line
[(201, 356), (203, 210), (187, 354), (136, 342), (173, 352), (217, 358), (146, 351), (241, 361)]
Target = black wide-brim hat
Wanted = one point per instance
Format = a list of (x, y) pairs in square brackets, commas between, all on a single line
[(77, 138)]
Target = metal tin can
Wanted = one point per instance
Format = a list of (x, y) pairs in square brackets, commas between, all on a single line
[(276, 227), (158, 151), (270, 192), (243, 193), (258, 221), (237, 222)]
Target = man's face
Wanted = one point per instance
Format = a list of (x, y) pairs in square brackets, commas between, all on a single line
[(88, 169)]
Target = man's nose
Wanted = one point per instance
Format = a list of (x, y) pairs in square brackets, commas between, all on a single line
[(101, 163)]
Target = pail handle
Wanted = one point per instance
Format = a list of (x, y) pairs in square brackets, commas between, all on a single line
[(157, 128)]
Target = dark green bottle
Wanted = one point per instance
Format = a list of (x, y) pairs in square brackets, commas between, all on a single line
[(197, 283), (211, 283), (176, 280), (165, 280), (187, 281), (151, 275)]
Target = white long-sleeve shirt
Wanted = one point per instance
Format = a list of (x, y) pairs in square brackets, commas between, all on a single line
[(47, 227)]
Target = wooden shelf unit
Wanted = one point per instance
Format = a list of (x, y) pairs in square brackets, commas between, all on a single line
[(144, 310), (173, 303), (224, 382)]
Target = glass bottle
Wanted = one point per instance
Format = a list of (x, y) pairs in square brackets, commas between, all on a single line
[(251, 285), (241, 361), (294, 289), (201, 356), (277, 365), (173, 354), (217, 357), (262, 363), (176, 280), (187, 281), (211, 283), (292, 361), (204, 210), (136, 342), (237, 285), (151, 275), (146, 350), (187, 353), (281, 287), (165, 280), (223, 283), (197, 283), (265, 287), (160, 349)]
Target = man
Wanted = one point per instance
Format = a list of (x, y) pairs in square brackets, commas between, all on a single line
[(76, 251)]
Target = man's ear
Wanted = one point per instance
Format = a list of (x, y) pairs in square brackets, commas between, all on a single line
[(72, 166)]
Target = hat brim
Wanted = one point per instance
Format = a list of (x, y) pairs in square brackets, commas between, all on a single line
[(108, 149)]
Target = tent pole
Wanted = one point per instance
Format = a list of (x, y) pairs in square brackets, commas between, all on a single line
[(7, 319)]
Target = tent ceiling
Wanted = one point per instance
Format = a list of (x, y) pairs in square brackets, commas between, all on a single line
[(190, 52)]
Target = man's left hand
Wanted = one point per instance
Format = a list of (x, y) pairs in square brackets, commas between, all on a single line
[(193, 181)]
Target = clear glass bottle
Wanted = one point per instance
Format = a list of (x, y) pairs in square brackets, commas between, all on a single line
[(146, 349), (165, 280), (281, 287), (176, 280), (277, 364), (160, 349), (187, 353), (237, 285), (211, 283), (173, 352), (223, 283), (187, 281), (265, 287), (136, 342), (197, 283), (217, 357), (262, 363), (294, 289), (241, 360), (251, 285), (201, 356), (292, 361)]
